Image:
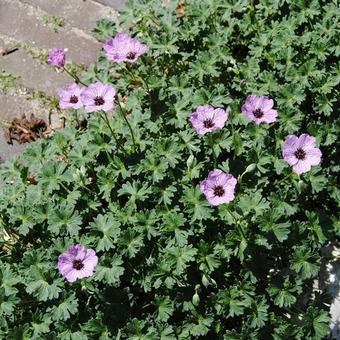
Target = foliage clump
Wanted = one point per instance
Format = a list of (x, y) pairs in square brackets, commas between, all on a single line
[(170, 266)]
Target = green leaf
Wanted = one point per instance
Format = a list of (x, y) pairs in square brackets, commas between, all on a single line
[(65, 309), (107, 230), (165, 308), (259, 314), (111, 272), (318, 322), (64, 218), (195, 204), (285, 294), (40, 287), (42, 290), (8, 279), (202, 326), (304, 262)]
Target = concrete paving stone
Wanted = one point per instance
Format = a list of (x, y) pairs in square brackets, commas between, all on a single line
[(24, 23), (15, 105), (79, 13), (8, 151), (116, 4), (32, 74)]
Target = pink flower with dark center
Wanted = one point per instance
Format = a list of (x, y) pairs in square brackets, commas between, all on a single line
[(77, 263), (218, 187), (56, 57), (70, 97), (259, 109), (301, 152), (98, 97), (124, 48), (206, 119)]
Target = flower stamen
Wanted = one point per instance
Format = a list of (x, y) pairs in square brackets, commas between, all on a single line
[(258, 113), (78, 264), (98, 101), (73, 99), (218, 191), (208, 123), (131, 55), (300, 154)]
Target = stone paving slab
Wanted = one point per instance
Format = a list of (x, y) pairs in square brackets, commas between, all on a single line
[(334, 290), (31, 72), (24, 23), (9, 151), (15, 105), (116, 4), (79, 13)]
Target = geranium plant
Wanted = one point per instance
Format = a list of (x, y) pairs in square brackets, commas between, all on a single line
[(195, 200)]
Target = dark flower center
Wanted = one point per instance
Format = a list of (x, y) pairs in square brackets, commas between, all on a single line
[(78, 264), (208, 123), (99, 101), (218, 191), (73, 99), (258, 113), (300, 154), (131, 55)]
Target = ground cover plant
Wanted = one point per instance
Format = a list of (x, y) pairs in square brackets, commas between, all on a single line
[(194, 186)]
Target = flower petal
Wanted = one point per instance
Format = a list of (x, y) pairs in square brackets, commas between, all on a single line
[(302, 166)]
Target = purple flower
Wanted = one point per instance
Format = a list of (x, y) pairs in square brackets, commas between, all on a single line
[(301, 152), (259, 109), (56, 57), (206, 119), (124, 48), (218, 187), (98, 97), (70, 97), (77, 263)]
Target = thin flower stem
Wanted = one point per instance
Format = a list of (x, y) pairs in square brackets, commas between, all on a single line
[(239, 180), (283, 179), (153, 18), (106, 120), (127, 68), (238, 225), (122, 112), (64, 187), (74, 76), (211, 143)]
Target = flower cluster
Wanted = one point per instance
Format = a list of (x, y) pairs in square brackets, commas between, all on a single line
[(219, 187), (95, 97), (77, 262), (300, 152), (123, 48)]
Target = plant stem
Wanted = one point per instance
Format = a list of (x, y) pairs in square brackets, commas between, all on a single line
[(106, 120), (238, 225), (211, 144), (64, 187), (127, 68), (74, 76), (283, 179), (122, 112)]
